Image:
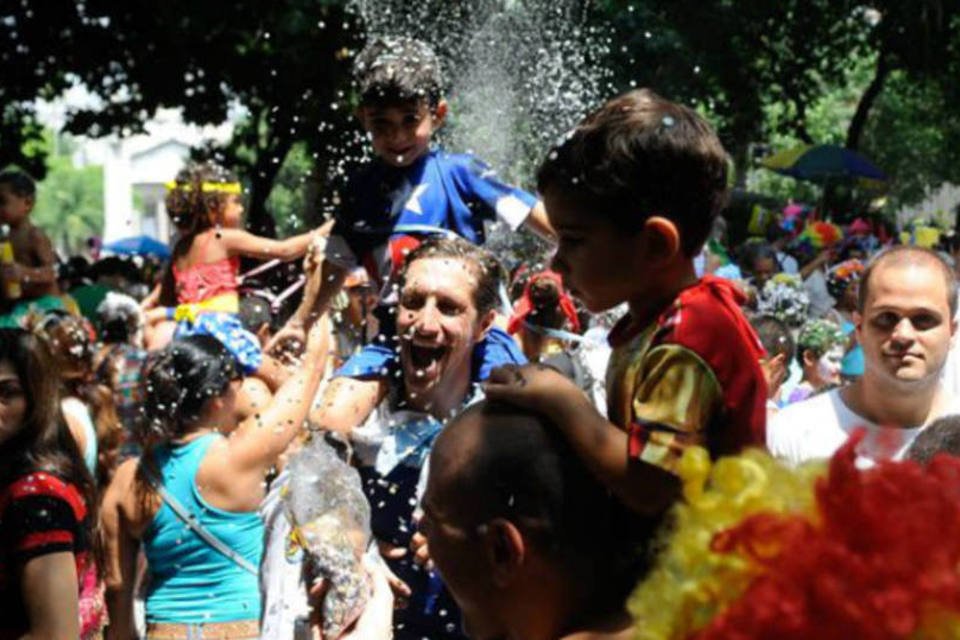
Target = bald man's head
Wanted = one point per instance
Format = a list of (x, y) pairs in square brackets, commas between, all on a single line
[(497, 461), (907, 256)]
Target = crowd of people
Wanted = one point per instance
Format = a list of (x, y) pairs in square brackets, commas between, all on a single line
[(525, 442)]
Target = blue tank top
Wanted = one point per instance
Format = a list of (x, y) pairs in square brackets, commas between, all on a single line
[(190, 581)]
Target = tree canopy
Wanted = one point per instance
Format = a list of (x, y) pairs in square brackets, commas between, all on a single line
[(882, 77)]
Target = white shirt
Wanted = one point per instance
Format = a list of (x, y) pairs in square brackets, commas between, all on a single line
[(788, 263), (821, 302), (817, 427)]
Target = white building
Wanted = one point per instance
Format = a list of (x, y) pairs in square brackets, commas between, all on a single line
[(136, 167)]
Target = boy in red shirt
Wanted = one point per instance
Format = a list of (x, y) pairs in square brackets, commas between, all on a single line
[(632, 194)]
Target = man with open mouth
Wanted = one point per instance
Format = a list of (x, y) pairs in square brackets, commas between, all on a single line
[(448, 296)]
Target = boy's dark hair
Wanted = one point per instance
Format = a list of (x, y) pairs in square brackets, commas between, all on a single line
[(640, 155), (774, 336), (20, 183), (943, 436), (397, 70)]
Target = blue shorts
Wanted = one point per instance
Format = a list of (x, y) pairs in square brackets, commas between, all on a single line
[(380, 359)]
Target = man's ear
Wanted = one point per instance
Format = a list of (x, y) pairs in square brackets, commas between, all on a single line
[(661, 239), (504, 548), (858, 325), (439, 113), (485, 323), (809, 358)]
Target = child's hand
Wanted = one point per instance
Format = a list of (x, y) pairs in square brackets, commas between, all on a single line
[(421, 551), (536, 387)]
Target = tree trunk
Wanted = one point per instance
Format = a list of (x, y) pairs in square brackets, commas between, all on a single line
[(264, 172), (869, 97)]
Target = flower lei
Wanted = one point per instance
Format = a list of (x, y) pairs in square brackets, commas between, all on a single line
[(784, 297), (819, 336), (763, 551)]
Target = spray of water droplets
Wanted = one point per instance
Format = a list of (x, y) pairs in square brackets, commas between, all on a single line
[(520, 73)]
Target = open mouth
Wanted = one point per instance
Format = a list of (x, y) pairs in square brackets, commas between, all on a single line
[(423, 358)]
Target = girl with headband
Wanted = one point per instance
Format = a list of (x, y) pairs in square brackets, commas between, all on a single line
[(200, 289)]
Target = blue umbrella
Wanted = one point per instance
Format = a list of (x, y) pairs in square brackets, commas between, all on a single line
[(824, 162), (139, 245)]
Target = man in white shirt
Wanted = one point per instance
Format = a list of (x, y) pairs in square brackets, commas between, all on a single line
[(908, 299)]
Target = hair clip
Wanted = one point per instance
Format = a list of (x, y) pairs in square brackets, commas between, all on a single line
[(668, 121)]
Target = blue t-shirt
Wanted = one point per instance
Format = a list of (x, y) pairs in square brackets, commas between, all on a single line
[(440, 193), (387, 210)]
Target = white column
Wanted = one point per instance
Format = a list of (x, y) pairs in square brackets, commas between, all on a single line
[(119, 218)]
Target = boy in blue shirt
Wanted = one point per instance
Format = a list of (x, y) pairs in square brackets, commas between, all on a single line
[(410, 191)]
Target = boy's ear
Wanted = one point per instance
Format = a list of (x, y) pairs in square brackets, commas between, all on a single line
[(504, 548), (809, 358), (662, 238), (439, 113)]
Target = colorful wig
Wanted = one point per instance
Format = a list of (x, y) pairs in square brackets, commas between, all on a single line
[(842, 275), (762, 551), (816, 237)]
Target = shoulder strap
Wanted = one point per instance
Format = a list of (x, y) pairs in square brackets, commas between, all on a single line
[(191, 521)]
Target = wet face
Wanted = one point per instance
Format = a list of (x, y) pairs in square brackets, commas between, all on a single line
[(601, 266), (438, 324), (13, 402), (14, 209), (906, 326), (400, 134)]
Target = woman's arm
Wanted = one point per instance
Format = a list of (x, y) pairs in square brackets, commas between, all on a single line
[(243, 243), (347, 403), (49, 587), (120, 551), (260, 439)]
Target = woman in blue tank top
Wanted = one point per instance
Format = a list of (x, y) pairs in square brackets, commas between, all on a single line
[(190, 500)]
